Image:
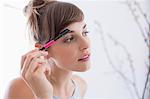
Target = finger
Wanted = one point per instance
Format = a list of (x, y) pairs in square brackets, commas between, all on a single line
[(30, 56), (33, 66), (29, 59), (40, 70), (24, 57), (35, 63), (40, 62), (50, 62), (37, 74), (48, 68)]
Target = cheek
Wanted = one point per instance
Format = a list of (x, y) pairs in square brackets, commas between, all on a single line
[(67, 58)]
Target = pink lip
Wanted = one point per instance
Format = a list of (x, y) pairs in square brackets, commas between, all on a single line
[(85, 58)]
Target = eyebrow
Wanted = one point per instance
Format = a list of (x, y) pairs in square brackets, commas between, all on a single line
[(71, 31), (84, 26)]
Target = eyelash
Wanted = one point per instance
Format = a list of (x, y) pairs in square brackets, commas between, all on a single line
[(72, 38), (69, 39), (85, 33)]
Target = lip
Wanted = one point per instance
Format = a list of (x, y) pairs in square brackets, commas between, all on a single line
[(85, 57)]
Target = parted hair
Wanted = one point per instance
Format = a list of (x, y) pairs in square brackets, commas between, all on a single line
[(46, 18)]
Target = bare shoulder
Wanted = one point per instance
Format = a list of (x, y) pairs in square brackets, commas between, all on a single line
[(81, 83), (18, 89)]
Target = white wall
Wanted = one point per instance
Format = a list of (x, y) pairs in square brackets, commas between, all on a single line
[(103, 81)]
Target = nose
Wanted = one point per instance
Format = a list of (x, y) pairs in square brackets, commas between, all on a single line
[(84, 44)]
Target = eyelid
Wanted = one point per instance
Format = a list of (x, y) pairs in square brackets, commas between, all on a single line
[(67, 36), (70, 34), (71, 38)]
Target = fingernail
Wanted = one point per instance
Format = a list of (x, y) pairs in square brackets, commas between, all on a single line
[(45, 52)]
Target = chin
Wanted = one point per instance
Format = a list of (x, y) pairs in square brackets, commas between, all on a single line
[(82, 68)]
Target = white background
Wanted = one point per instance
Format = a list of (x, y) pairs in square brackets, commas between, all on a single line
[(103, 81)]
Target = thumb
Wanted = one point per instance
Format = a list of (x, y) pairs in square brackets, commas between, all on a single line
[(47, 71), (51, 61)]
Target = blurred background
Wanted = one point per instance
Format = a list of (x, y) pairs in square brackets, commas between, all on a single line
[(119, 33)]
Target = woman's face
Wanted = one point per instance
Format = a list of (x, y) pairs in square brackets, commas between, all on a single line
[(72, 51)]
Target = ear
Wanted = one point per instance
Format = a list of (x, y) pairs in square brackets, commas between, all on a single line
[(38, 45)]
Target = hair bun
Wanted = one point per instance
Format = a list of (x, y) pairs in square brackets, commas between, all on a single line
[(38, 3), (34, 5)]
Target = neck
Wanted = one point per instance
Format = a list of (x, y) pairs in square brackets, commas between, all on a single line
[(61, 80), (60, 77)]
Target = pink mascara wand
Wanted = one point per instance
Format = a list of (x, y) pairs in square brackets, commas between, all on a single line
[(47, 45)]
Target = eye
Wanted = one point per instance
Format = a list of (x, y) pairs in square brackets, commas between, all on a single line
[(69, 39), (85, 33)]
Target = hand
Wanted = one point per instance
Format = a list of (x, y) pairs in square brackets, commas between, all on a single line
[(35, 69)]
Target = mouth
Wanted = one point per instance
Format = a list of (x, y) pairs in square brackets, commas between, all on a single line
[(85, 58)]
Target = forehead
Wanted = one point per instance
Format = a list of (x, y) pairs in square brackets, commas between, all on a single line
[(76, 26)]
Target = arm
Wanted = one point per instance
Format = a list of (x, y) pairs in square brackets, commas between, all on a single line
[(18, 89), (33, 83)]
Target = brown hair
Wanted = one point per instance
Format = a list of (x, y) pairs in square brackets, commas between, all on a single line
[(47, 18)]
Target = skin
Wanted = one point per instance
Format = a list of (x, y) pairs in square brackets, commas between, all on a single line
[(46, 74)]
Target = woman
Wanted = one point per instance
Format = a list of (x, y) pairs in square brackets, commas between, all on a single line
[(47, 73)]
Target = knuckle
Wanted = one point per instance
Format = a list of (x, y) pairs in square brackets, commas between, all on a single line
[(34, 76), (29, 56), (28, 77)]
